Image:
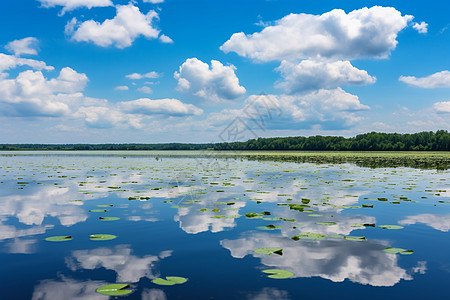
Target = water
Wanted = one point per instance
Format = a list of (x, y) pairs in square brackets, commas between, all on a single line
[(185, 216)]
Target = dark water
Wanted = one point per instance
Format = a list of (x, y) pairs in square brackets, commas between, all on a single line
[(186, 217)]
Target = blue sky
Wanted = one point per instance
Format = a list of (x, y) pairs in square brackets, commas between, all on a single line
[(150, 71)]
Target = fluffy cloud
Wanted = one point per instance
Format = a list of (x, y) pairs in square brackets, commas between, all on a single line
[(367, 32), (121, 88), (154, 1), (214, 83), (436, 80), (31, 94), (171, 107), (106, 117), (136, 76), (24, 46), (8, 62), (128, 24), (69, 5), (421, 28), (442, 107), (322, 109), (438, 222), (317, 74), (165, 39)]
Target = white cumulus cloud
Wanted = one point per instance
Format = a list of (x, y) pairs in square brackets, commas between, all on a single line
[(214, 83), (69, 5), (173, 107), (32, 94), (322, 109), (317, 74), (438, 222), (128, 24), (436, 80), (421, 27), (8, 62), (121, 88), (28, 46), (442, 107), (136, 76), (367, 32)]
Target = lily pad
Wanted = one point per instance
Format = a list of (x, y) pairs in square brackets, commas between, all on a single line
[(116, 289), (278, 274), (170, 280), (355, 238), (98, 210), (104, 205), (398, 251), (108, 218), (59, 238), (309, 236), (391, 226), (269, 251), (268, 227), (102, 237), (326, 223)]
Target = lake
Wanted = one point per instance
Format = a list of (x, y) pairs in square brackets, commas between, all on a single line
[(180, 225)]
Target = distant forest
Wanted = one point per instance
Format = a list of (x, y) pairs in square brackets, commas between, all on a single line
[(373, 141)]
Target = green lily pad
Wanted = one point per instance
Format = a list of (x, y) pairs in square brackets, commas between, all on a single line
[(391, 226), (355, 238), (326, 223), (102, 237), (104, 205), (59, 238), (116, 289), (170, 280), (315, 215), (268, 227), (269, 251), (278, 274), (98, 210), (398, 251), (108, 218), (309, 236)]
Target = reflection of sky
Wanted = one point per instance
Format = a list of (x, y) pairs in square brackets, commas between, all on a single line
[(438, 222), (67, 289), (336, 260), (129, 268)]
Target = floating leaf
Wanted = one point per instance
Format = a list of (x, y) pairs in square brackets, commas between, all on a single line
[(309, 236), (326, 223), (102, 237), (170, 280), (269, 251), (268, 227), (253, 215), (116, 289), (355, 238), (398, 251), (367, 205), (104, 205), (108, 218), (59, 238), (278, 274), (98, 210), (391, 226), (315, 215)]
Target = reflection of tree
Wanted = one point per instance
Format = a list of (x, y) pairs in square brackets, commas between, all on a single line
[(129, 268), (333, 259), (438, 222)]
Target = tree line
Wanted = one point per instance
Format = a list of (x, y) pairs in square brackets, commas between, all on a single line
[(373, 141)]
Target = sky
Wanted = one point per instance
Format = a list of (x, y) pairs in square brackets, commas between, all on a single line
[(158, 71)]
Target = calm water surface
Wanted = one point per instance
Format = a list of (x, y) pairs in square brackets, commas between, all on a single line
[(186, 216)]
